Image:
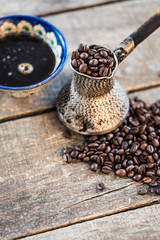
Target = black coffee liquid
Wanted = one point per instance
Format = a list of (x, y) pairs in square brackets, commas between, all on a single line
[(18, 49)]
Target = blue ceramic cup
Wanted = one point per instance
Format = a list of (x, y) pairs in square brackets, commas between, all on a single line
[(23, 24)]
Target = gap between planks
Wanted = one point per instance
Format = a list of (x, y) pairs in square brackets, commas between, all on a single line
[(56, 12), (51, 108), (126, 209)]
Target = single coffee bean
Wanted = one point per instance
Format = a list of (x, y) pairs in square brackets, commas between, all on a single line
[(141, 118), (142, 128), (118, 166), (74, 63), (93, 145), (150, 149), (92, 138), (104, 54), (129, 137), (104, 155), (93, 62), (81, 47), (108, 163), (137, 177), (109, 136), (92, 52), (111, 157), (74, 153), (81, 155), (143, 146), (100, 186), (130, 174), (94, 166), (86, 159), (67, 158), (121, 172), (111, 63), (94, 69), (134, 147), (130, 168), (109, 72), (83, 68), (142, 191), (97, 56), (153, 183), (103, 71), (90, 153), (108, 149), (101, 147), (146, 179), (155, 142), (75, 55), (124, 145), (102, 60), (93, 157), (106, 170), (117, 158), (84, 55)]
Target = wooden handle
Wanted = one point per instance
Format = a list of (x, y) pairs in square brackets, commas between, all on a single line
[(141, 33)]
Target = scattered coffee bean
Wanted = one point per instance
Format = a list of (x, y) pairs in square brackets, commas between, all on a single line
[(100, 186), (94, 166), (147, 179), (142, 191), (121, 172)]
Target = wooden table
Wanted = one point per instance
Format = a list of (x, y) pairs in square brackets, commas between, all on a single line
[(41, 196)]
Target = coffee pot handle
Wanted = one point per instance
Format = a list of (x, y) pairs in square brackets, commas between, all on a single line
[(141, 33)]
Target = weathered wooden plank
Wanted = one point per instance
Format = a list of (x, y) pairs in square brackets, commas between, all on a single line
[(40, 192), (138, 224), (95, 25), (40, 7)]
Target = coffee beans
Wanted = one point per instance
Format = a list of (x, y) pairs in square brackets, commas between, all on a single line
[(83, 68), (93, 60), (142, 192), (121, 172), (100, 186), (132, 150)]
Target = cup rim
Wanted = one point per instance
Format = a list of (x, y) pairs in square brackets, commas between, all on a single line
[(97, 78), (60, 66)]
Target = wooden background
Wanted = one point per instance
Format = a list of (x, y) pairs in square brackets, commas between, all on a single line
[(41, 196)]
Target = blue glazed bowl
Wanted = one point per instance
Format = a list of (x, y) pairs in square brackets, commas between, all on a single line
[(24, 24)]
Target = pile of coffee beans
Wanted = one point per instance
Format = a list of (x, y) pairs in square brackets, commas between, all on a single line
[(132, 150), (93, 60)]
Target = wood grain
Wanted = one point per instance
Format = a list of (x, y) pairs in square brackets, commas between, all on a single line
[(42, 8), (139, 70), (138, 224), (40, 192)]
